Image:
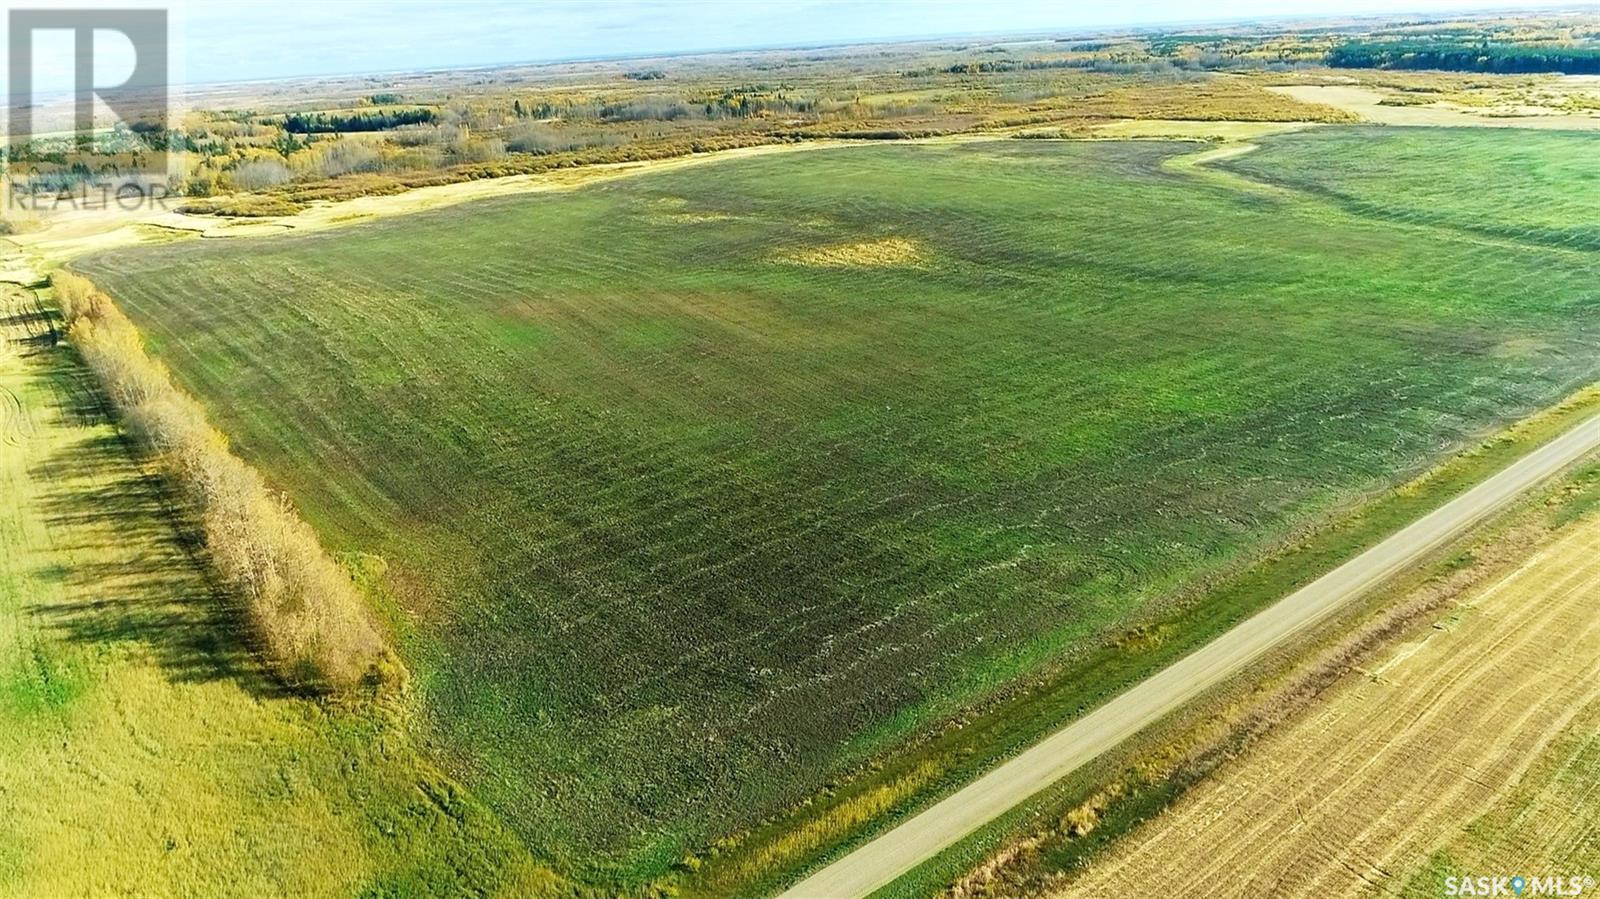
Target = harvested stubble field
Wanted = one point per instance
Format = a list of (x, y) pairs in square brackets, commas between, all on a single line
[(1545, 826), (682, 527), (1469, 750)]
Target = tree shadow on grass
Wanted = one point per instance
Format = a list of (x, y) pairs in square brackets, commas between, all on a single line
[(128, 556), (31, 327)]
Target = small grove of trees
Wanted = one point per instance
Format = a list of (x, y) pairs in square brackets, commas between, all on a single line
[(258, 174), (315, 628), (340, 123)]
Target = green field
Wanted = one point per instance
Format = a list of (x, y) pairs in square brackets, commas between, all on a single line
[(698, 489), (1506, 182), (143, 751)]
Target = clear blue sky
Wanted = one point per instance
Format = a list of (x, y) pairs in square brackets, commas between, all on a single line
[(293, 37), (233, 40)]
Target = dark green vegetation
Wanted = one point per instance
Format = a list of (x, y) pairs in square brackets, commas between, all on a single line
[(1461, 56), (332, 123), (683, 527)]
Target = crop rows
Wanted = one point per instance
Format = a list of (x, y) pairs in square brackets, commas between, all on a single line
[(682, 529)]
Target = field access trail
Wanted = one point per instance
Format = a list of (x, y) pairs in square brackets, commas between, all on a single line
[(904, 847)]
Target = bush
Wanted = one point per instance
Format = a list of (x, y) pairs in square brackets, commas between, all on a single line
[(315, 629), (330, 159), (481, 151), (259, 173), (241, 206), (75, 295)]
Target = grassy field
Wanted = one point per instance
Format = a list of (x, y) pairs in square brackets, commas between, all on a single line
[(1511, 183), (142, 751), (698, 490)]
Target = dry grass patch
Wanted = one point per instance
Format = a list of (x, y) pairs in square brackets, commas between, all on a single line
[(880, 253), (676, 210)]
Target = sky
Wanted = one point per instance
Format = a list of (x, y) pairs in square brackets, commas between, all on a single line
[(242, 40)]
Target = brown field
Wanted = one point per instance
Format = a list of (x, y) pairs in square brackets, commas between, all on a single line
[(1493, 106), (1358, 796), (1545, 827)]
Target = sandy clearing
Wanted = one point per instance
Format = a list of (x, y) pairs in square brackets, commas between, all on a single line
[(1345, 800), (1187, 129), (1366, 102)]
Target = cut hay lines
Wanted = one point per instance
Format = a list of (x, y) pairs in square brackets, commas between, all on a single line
[(1347, 797), (16, 425), (19, 331)]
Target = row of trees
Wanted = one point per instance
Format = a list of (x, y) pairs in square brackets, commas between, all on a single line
[(343, 123), (1462, 57), (315, 628)]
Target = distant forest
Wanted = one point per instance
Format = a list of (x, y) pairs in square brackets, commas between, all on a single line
[(335, 123), (1464, 57)]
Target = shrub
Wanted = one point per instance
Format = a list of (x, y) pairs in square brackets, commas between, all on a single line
[(259, 173), (74, 294), (314, 627), (330, 159), (481, 151), (242, 206)]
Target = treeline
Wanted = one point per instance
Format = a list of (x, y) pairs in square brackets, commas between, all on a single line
[(342, 123), (315, 629), (291, 198), (1460, 57), (988, 66)]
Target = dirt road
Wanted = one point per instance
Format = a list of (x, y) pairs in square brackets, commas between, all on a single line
[(923, 836)]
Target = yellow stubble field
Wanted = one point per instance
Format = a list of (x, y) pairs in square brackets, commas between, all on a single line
[(1470, 750)]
